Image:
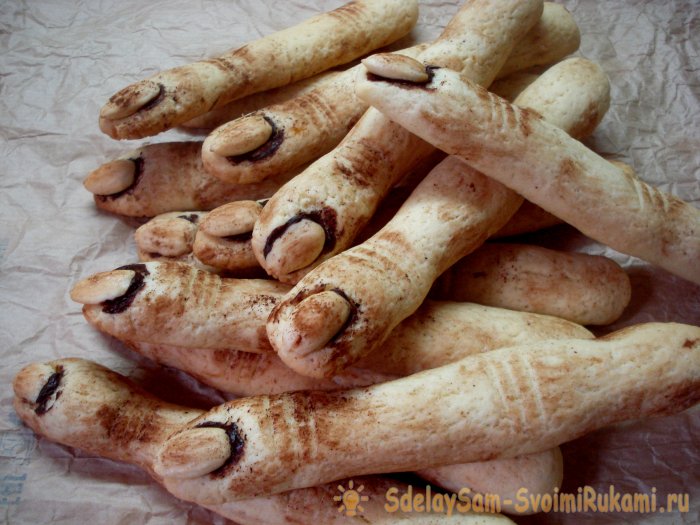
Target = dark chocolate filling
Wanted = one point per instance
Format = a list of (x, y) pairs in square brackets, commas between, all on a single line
[(236, 440), (326, 218), (264, 151), (48, 391), (155, 100), (351, 317), (121, 303), (138, 171), (430, 70), (241, 237), (192, 217)]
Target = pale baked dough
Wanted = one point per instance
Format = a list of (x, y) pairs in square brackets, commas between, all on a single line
[(553, 37), (231, 111), (177, 95), (449, 215), (529, 218), (301, 129), (172, 304), (585, 289), (549, 168), (83, 405), (168, 177), (537, 473), (499, 404), (439, 333), (341, 190), (177, 304)]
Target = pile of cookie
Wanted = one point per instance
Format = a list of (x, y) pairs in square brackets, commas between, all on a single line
[(323, 255)]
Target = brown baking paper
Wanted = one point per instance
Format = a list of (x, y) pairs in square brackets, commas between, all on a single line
[(59, 62)]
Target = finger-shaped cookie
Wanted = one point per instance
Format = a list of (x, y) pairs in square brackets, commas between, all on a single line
[(552, 38), (547, 167), (585, 289), (223, 238), (499, 404), (529, 218), (244, 373), (216, 241), (536, 473), (172, 303), (84, 405), (177, 95), (165, 177), (170, 237), (449, 214), (345, 308), (439, 333), (278, 138), (239, 107), (555, 36), (222, 243), (336, 195)]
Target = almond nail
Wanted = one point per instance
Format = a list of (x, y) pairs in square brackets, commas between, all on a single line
[(230, 219), (193, 453), (240, 136), (168, 237), (317, 319), (396, 67), (102, 287), (130, 99), (299, 246), (111, 178)]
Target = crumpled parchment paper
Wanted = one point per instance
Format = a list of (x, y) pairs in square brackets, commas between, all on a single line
[(59, 62)]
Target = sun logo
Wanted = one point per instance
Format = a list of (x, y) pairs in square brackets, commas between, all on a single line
[(350, 499)]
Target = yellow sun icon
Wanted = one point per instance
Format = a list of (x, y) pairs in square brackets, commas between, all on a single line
[(350, 499)]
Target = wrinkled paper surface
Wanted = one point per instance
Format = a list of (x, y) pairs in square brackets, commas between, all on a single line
[(59, 62)]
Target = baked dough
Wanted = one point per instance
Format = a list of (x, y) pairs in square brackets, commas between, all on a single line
[(106, 415), (242, 106), (284, 136), (168, 177), (449, 215), (499, 404), (439, 333), (585, 289), (177, 95), (341, 190), (546, 166), (172, 304), (177, 304)]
